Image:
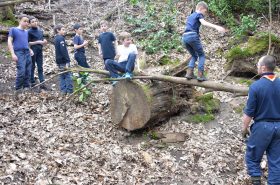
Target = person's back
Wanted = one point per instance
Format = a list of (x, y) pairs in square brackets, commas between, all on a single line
[(264, 108), (268, 99), (61, 52), (193, 23)]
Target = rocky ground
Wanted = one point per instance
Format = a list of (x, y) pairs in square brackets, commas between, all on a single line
[(43, 142)]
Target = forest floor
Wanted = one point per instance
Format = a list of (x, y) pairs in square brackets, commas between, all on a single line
[(43, 142)]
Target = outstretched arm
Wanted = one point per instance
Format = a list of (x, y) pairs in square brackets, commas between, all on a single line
[(208, 24)]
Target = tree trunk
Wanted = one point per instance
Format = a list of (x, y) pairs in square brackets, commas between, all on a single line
[(135, 106)]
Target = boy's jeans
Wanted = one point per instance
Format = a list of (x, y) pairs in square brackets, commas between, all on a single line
[(66, 83), (193, 44), (265, 136), (37, 59), (81, 59), (23, 69), (124, 67)]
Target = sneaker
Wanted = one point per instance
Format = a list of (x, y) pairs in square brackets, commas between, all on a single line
[(44, 87), (114, 83), (128, 76), (201, 77), (256, 180)]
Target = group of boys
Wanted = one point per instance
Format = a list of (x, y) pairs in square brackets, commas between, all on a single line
[(23, 44), (26, 47)]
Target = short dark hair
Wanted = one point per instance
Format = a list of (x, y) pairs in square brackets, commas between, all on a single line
[(31, 18), (77, 26), (22, 16), (269, 62), (57, 28)]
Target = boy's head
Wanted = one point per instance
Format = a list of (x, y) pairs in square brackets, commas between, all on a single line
[(125, 38), (59, 29), (33, 22), (78, 29), (202, 7), (23, 21), (104, 25)]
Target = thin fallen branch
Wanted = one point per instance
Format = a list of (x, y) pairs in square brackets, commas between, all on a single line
[(12, 2)]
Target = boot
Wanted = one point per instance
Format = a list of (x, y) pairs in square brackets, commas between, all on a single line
[(201, 77), (256, 180), (190, 75)]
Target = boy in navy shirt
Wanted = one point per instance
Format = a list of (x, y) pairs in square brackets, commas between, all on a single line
[(36, 42), (62, 60), (107, 43), (21, 54), (79, 46), (191, 40)]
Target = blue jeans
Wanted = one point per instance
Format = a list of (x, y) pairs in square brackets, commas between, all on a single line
[(23, 69), (81, 59), (115, 67), (37, 59), (193, 44), (66, 82), (265, 137)]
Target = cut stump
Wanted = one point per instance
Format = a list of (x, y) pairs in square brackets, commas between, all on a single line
[(135, 106)]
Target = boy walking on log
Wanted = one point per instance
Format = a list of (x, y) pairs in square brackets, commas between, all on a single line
[(62, 60), (21, 53), (79, 46), (126, 54), (36, 41), (107, 43), (191, 40)]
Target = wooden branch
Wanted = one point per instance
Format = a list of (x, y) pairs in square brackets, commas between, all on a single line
[(241, 90), (12, 2)]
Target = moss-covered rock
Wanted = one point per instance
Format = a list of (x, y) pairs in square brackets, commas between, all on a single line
[(242, 58), (7, 17)]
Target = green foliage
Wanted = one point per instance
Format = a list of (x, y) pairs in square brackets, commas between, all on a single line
[(246, 82), (156, 27), (202, 118), (80, 82), (209, 105), (228, 12), (9, 18)]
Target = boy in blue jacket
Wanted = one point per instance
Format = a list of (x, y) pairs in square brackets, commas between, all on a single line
[(62, 60)]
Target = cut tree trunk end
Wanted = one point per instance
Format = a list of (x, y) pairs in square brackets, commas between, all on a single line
[(135, 106)]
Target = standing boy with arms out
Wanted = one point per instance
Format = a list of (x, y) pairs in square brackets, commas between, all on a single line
[(21, 54), (79, 46), (107, 43), (191, 40), (127, 53), (36, 42), (62, 60)]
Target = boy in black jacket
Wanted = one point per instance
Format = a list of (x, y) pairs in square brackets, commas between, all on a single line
[(62, 60)]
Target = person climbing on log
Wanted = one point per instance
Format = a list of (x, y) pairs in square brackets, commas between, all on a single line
[(191, 40), (264, 108), (126, 54)]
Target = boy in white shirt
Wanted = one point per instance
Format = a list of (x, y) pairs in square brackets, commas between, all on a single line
[(126, 54)]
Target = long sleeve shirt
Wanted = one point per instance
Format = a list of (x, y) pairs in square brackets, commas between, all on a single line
[(61, 52)]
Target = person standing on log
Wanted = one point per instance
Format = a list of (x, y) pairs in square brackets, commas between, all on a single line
[(62, 60), (79, 46), (36, 41), (191, 40), (21, 53), (264, 108), (107, 43), (126, 54)]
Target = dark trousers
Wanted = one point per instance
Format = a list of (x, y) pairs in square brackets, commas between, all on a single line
[(80, 57), (37, 59), (66, 82), (115, 67), (193, 44), (265, 137), (24, 65)]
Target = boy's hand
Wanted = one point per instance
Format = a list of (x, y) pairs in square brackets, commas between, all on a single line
[(221, 29), (14, 57), (100, 54), (45, 42), (31, 52), (245, 133), (85, 43)]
